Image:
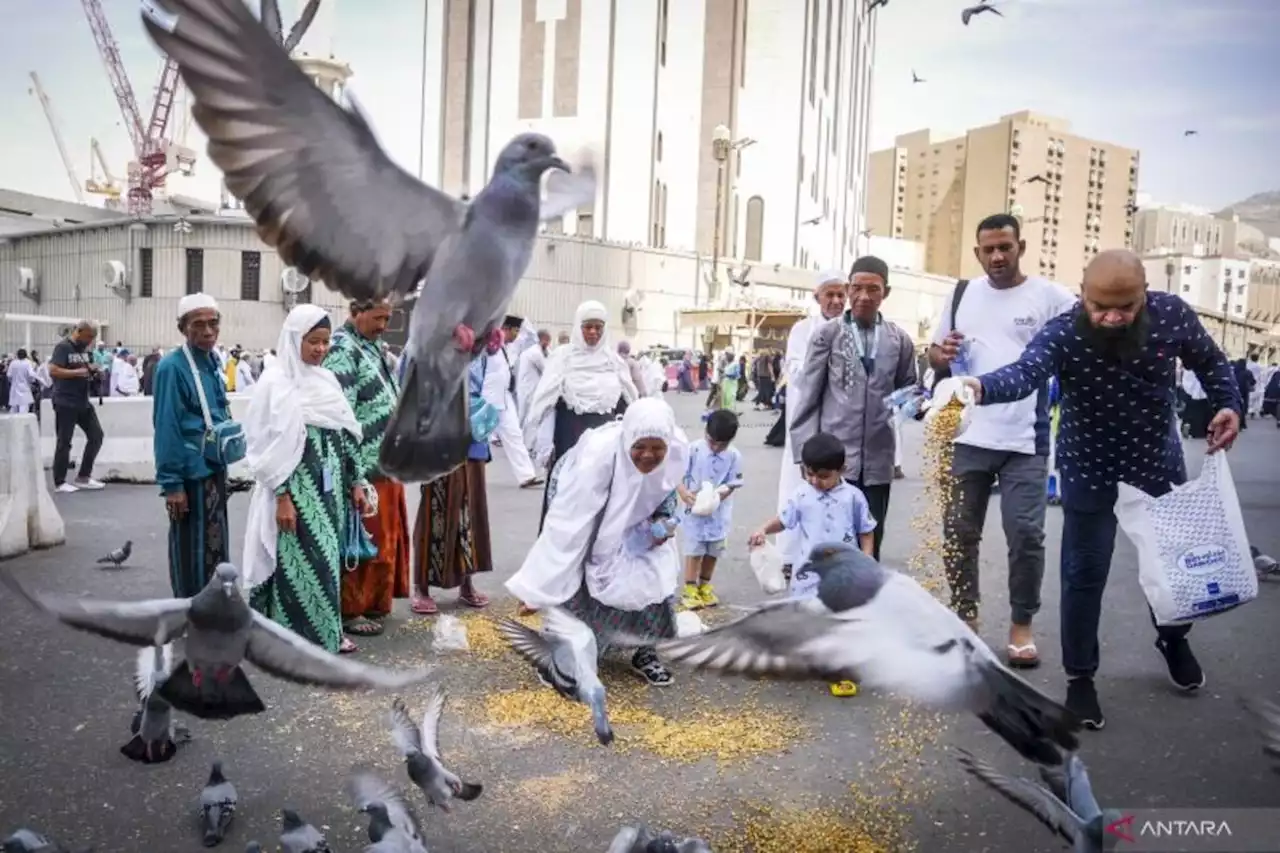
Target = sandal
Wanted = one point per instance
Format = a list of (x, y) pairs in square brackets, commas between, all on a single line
[(645, 663), (1026, 656), (475, 599), (346, 647), (362, 627), (424, 605)]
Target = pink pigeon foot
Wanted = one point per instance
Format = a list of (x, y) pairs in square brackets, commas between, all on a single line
[(197, 677), (464, 337), (223, 674)]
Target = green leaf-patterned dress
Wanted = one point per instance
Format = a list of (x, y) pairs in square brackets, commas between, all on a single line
[(303, 592)]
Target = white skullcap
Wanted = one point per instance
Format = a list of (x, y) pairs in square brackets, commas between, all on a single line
[(194, 302), (828, 276)]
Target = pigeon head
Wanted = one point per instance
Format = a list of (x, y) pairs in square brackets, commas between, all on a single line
[(377, 812), (825, 555), (289, 820), (227, 576), (215, 774), (849, 578), (529, 155)]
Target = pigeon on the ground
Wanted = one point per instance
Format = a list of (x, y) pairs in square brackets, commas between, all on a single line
[(30, 841), (155, 736), (217, 806), (392, 822), (882, 629), (296, 836), (967, 14), (1268, 715), (221, 632), (420, 746), (567, 658), (1065, 803), (638, 839), (334, 205), (253, 847), (118, 556)]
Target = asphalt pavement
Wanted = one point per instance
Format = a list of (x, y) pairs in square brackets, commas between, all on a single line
[(799, 769)]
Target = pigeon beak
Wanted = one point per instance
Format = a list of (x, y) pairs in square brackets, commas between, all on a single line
[(228, 587), (557, 163)]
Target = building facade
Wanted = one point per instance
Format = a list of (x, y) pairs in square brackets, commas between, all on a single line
[(1074, 196), (646, 84)]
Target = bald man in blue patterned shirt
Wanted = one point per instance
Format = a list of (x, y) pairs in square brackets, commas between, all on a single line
[(1115, 355)]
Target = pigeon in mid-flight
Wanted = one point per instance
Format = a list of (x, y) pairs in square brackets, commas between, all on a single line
[(420, 746), (155, 735), (221, 633), (967, 14), (916, 78), (1065, 802), (880, 628), (392, 822), (118, 556), (639, 839), (566, 657), (217, 806), (335, 207), (1190, 133), (298, 836)]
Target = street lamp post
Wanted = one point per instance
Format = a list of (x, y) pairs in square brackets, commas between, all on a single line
[(722, 143), (1169, 270), (1226, 304)]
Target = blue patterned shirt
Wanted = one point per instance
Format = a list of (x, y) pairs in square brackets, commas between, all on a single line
[(718, 469), (841, 514), (1117, 417)]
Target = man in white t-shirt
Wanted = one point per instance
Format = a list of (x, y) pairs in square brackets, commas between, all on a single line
[(996, 316)]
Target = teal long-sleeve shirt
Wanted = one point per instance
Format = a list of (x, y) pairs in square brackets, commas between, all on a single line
[(177, 418)]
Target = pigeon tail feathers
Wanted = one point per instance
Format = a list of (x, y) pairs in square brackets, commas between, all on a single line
[(136, 750), (1037, 727), (212, 700), (429, 433), (469, 791)]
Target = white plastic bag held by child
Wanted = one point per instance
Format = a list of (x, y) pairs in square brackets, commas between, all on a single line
[(1193, 552), (766, 563), (449, 635), (707, 501)]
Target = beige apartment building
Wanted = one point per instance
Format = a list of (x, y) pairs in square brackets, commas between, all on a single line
[(1180, 231), (1075, 196)]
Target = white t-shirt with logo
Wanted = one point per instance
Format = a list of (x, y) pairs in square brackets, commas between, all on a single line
[(1000, 323)]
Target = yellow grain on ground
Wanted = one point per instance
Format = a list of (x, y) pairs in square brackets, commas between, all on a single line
[(483, 638), (767, 829), (554, 794), (722, 735), (542, 707)]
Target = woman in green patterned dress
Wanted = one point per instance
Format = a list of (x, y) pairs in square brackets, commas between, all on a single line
[(301, 432)]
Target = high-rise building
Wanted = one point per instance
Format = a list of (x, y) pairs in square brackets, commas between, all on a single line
[(1075, 196), (726, 126)]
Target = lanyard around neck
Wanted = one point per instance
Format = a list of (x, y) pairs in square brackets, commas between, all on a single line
[(858, 340)]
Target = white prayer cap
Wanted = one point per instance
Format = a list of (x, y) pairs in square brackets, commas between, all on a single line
[(194, 302), (829, 276)]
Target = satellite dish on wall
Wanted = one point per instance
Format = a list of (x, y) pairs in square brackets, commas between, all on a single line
[(114, 274)]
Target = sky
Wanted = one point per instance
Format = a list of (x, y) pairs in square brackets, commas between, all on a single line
[(1132, 72)]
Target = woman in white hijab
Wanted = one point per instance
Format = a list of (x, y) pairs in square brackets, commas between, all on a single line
[(301, 436), (606, 551)]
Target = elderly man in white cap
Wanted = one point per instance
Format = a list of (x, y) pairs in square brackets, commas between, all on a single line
[(189, 397), (829, 294)]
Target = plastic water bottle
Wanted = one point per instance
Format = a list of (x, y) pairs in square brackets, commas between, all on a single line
[(960, 366), (905, 402)]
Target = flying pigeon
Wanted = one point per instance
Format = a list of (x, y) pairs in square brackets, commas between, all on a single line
[(270, 18), (29, 841), (882, 629), (566, 657), (638, 839), (420, 747), (335, 207), (391, 822), (916, 78), (299, 837), (1268, 714), (155, 736), (1065, 803), (221, 632), (966, 14), (875, 4), (118, 556), (1037, 179), (1190, 133), (217, 806)]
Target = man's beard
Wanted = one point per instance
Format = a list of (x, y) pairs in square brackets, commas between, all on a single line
[(1117, 343)]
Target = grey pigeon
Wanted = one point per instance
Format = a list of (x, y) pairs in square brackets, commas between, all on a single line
[(916, 78), (967, 14), (335, 207), (118, 556), (155, 735), (29, 841), (253, 847), (1268, 715), (300, 837), (1065, 803), (1190, 133), (638, 839), (392, 822), (217, 806), (420, 746), (566, 657), (221, 632), (881, 628)]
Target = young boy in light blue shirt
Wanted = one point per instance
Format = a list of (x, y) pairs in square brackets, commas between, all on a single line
[(713, 460)]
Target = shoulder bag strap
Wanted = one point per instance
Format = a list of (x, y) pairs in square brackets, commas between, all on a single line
[(195, 374), (956, 296)]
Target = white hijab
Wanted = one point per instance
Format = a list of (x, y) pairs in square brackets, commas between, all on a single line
[(597, 473), (291, 396), (588, 378)]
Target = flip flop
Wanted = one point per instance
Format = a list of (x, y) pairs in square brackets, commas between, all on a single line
[(346, 647), (362, 627), (478, 600), (1023, 657), (424, 605)]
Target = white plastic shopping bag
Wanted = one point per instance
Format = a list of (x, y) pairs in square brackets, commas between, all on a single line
[(688, 624), (947, 390), (766, 563), (449, 635), (707, 500), (1193, 552)]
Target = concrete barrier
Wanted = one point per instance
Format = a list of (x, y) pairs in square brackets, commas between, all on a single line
[(127, 454), (28, 517)]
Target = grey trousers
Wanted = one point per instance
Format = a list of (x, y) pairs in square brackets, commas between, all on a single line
[(1022, 507)]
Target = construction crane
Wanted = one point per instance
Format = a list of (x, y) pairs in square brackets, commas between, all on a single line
[(101, 181), (47, 106), (155, 155)]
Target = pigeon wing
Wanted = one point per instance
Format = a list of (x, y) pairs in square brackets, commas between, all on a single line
[(366, 788), (527, 642), (1268, 715), (300, 27), (270, 18), (309, 172), (1072, 786), (566, 191), (1046, 808), (138, 623), (431, 723), (287, 656), (625, 840), (403, 732), (154, 666)]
